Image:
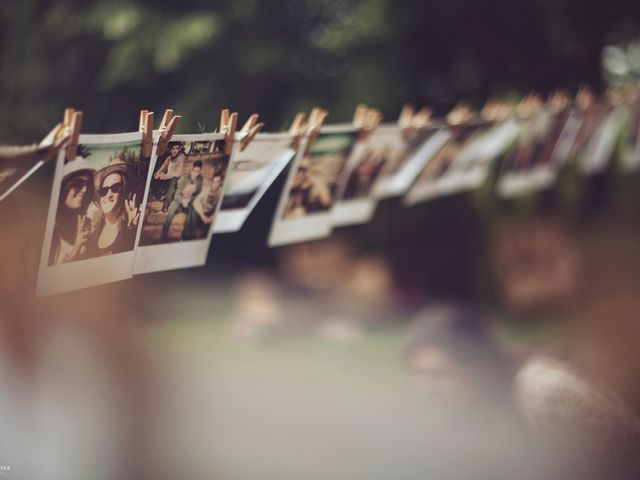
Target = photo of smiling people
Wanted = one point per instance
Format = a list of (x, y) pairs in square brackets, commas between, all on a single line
[(94, 214), (251, 173), (304, 210), (185, 192)]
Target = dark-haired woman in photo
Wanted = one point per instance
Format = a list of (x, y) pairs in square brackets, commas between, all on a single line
[(117, 215), (73, 228)]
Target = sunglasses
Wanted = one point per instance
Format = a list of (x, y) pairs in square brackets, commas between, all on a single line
[(79, 183), (115, 188)]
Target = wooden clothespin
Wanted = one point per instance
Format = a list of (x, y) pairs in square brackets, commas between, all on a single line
[(249, 130), (146, 127), (366, 120), (167, 127), (41, 151), (529, 105), (411, 121), (297, 129), (459, 114), (228, 125), (558, 100), (422, 118), (316, 119), (371, 120), (406, 116), (53, 141), (359, 115), (496, 110), (72, 122)]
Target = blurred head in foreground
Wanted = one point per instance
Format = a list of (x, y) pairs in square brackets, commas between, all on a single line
[(453, 358)]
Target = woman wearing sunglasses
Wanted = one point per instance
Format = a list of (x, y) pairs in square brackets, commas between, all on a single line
[(117, 215), (73, 228)]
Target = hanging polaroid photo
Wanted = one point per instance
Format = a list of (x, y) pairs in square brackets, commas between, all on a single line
[(630, 148), (382, 151), (544, 147), (472, 164), (94, 214), (597, 137), (251, 173), (427, 184), (304, 210), (411, 151), (184, 196), (355, 203)]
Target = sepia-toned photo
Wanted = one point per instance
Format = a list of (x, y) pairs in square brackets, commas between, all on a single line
[(428, 182), (184, 196), (315, 180), (538, 142), (306, 202), (99, 205), (94, 213), (364, 174), (438, 164), (185, 190), (545, 145), (472, 164), (410, 143)]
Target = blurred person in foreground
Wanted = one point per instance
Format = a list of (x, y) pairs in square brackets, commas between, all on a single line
[(75, 378), (584, 430)]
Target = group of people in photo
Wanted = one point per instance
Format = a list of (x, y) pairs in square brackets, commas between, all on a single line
[(181, 184)]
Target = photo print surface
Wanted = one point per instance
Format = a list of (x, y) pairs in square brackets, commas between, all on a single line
[(251, 173), (472, 164), (544, 146), (410, 151), (94, 214), (304, 210), (427, 184), (355, 201), (184, 196)]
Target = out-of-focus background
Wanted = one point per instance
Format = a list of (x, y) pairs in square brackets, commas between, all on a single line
[(322, 360)]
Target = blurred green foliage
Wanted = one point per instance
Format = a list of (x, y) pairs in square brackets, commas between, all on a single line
[(112, 58)]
